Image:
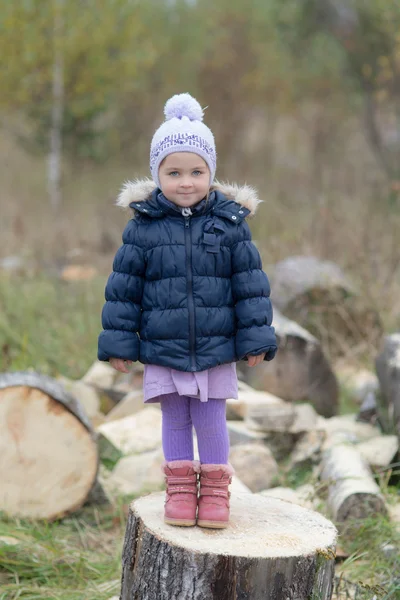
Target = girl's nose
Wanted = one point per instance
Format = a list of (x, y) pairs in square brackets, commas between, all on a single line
[(186, 183)]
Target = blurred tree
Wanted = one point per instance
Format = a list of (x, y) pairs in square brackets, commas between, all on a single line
[(104, 49), (367, 33)]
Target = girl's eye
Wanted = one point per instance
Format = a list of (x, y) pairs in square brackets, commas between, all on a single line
[(173, 173), (196, 173)]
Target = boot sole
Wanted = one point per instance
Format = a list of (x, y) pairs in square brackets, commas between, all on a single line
[(180, 522), (213, 524)]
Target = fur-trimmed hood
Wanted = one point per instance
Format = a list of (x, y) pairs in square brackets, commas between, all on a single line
[(140, 190)]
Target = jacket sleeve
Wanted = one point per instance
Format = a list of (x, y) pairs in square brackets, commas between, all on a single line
[(251, 291), (122, 311)]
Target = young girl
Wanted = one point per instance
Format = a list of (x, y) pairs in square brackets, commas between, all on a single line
[(188, 298)]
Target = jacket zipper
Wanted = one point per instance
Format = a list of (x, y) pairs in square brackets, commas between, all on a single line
[(189, 279)]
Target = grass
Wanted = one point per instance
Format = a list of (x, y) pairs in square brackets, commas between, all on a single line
[(49, 325), (373, 545), (75, 559)]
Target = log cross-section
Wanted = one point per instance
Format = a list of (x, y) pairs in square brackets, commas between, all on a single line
[(272, 550), (48, 448)]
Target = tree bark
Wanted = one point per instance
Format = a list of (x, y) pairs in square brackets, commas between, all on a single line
[(272, 550), (317, 295), (388, 371), (299, 372), (48, 448)]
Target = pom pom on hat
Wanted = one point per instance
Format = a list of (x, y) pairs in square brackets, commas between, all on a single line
[(183, 105)]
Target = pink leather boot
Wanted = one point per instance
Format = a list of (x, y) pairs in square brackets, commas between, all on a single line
[(181, 495), (213, 509)]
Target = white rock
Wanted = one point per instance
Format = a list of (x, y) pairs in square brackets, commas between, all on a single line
[(129, 405), (380, 451), (239, 433), (139, 474), (134, 434), (85, 394), (248, 396), (305, 418), (100, 374), (268, 417), (255, 465)]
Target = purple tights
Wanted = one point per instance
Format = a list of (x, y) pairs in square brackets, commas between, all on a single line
[(180, 414)]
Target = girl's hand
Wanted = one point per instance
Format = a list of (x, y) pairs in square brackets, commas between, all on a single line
[(121, 365), (253, 361)]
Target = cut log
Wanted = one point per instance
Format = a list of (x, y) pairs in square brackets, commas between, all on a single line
[(137, 433), (129, 405), (388, 371), (299, 372), (352, 491), (320, 297), (47, 446), (255, 465), (379, 452), (247, 396), (272, 550)]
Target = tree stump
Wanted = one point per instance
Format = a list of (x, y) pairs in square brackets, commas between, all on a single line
[(48, 449), (299, 372), (272, 550), (318, 296)]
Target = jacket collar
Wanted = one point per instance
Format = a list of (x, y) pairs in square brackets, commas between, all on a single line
[(229, 201)]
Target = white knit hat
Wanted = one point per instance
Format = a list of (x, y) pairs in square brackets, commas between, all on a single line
[(182, 131)]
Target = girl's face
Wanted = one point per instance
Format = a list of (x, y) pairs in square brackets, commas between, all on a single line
[(184, 178)]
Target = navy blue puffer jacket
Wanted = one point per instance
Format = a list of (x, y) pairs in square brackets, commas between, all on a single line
[(187, 292)]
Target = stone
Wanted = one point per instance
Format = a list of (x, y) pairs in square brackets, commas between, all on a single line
[(87, 397), (247, 397), (239, 433), (305, 418), (255, 466), (136, 475), (101, 374), (380, 451), (308, 449), (131, 435), (271, 417), (130, 404)]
